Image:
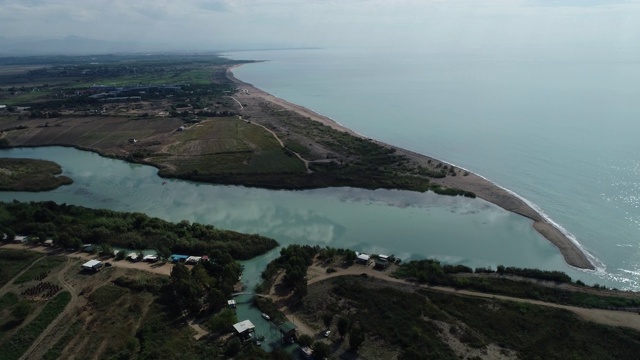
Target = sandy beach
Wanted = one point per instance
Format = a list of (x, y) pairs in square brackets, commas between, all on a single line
[(483, 188)]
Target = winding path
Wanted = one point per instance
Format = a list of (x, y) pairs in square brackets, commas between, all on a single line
[(601, 316), (20, 274), (305, 161), (67, 309)]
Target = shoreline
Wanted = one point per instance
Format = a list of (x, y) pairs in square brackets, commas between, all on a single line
[(572, 253)]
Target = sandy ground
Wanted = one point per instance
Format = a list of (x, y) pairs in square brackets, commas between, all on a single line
[(483, 188), (157, 268)]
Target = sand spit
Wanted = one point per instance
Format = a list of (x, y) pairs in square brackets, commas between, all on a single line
[(482, 187)]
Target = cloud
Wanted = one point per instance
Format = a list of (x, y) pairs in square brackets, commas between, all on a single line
[(249, 23)]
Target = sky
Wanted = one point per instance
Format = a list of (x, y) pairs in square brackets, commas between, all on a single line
[(240, 24)]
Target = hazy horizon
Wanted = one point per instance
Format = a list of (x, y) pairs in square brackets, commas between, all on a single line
[(223, 25)]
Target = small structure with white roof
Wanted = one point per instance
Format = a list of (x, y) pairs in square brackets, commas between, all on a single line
[(92, 265), (244, 328), (363, 259)]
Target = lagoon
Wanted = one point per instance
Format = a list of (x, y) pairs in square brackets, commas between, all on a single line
[(407, 224)]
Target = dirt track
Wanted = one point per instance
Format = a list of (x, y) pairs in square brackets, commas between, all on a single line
[(607, 317)]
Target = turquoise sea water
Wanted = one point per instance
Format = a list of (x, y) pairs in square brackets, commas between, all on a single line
[(559, 133), (560, 129)]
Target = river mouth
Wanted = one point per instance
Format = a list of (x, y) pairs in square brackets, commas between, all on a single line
[(407, 224)]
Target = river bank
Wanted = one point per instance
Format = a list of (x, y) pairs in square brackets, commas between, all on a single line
[(482, 187)]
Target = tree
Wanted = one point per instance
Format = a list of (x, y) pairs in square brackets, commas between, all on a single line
[(327, 318), (321, 350), (350, 257), (222, 321), (106, 250), (163, 252), (305, 340), (21, 311), (10, 235), (356, 336), (343, 326), (233, 347)]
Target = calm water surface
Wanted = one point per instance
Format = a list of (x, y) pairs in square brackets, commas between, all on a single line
[(557, 127), (408, 224)]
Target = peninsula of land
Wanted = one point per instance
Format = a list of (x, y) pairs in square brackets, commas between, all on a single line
[(30, 175), (193, 120), (481, 187)]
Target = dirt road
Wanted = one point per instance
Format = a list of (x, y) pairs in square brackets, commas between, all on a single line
[(607, 317)]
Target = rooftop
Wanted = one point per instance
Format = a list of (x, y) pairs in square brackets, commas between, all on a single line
[(91, 263), (243, 326)]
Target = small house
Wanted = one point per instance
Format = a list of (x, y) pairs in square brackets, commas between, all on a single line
[(244, 329), (363, 259), (48, 242), (231, 304), (192, 260), (288, 331), (306, 352), (381, 263), (133, 257), (150, 258), (19, 239), (92, 265), (178, 258)]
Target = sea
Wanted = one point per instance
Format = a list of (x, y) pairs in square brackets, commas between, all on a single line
[(558, 127)]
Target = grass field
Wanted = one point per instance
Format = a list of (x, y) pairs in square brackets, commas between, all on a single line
[(19, 342), (14, 261), (227, 145), (44, 266)]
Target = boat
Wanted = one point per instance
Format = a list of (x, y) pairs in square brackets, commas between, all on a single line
[(266, 317)]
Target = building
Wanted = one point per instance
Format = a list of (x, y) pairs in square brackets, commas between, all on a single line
[(3, 107), (288, 331), (92, 265), (193, 260), (178, 258), (133, 257), (20, 239), (244, 329), (150, 258), (231, 304), (363, 259), (48, 242), (381, 263), (306, 352)]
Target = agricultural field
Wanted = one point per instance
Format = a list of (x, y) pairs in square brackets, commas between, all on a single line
[(186, 116), (117, 313)]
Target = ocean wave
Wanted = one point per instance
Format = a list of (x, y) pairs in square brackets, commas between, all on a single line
[(600, 268)]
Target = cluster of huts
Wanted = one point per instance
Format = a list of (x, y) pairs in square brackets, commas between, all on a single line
[(380, 262)]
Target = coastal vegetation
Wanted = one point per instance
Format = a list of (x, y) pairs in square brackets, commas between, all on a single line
[(178, 113), (426, 324), (373, 314), (71, 226), (523, 283), (30, 175)]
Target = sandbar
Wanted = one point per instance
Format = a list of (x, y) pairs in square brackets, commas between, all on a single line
[(482, 187)]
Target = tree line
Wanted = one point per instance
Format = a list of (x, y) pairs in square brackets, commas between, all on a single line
[(71, 226)]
